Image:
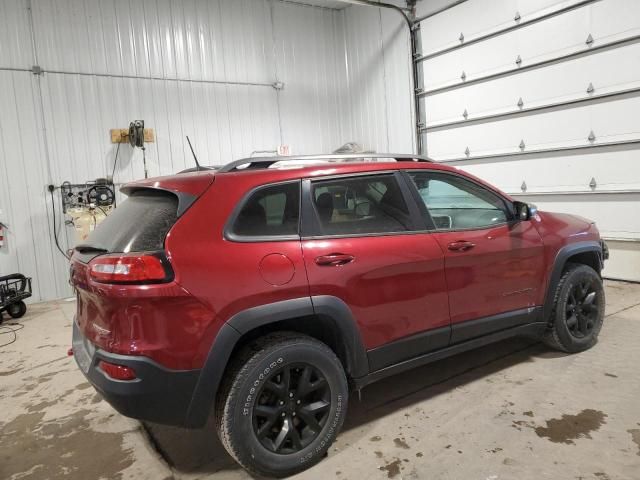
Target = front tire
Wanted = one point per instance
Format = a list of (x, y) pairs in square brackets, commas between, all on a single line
[(578, 312), (283, 403)]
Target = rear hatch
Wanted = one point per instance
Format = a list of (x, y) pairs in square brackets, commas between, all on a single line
[(142, 221), (122, 274)]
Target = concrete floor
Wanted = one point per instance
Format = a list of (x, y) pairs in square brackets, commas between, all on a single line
[(514, 410)]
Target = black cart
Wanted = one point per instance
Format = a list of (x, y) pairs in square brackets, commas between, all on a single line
[(14, 289)]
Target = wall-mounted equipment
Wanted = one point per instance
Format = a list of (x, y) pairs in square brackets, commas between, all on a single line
[(99, 193), (136, 135), (86, 206)]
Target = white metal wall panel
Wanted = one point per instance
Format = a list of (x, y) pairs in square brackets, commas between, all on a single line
[(378, 95), (308, 46), (15, 39), (23, 177), (558, 109)]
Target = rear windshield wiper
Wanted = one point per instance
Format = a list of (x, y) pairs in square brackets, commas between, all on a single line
[(86, 248)]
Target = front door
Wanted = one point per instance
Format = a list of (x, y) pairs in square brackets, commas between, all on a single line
[(361, 247), (493, 263)]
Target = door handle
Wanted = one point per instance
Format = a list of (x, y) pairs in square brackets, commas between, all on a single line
[(334, 259), (461, 246)]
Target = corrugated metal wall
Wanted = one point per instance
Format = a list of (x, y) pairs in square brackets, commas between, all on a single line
[(540, 97), (201, 68), (378, 94)]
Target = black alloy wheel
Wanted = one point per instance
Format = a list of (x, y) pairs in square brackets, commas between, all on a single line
[(282, 404), (578, 310), (292, 408), (581, 310)]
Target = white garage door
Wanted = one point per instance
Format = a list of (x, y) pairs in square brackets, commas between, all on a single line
[(542, 98)]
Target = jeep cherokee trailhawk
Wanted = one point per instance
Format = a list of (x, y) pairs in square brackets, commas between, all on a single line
[(263, 291)]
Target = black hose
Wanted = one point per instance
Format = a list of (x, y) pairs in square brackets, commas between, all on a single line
[(55, 228)]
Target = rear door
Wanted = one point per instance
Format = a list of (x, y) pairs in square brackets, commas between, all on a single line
[(360, 245), (493, 263)]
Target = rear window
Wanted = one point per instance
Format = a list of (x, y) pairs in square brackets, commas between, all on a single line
[(139, 224)]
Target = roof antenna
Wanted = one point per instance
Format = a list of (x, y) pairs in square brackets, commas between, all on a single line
[(198, 168)]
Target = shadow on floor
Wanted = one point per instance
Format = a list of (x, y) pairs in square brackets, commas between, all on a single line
[(200, 451)]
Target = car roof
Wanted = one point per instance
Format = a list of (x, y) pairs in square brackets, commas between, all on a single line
[(263, 170)]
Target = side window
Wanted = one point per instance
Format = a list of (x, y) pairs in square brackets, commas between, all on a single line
[(270, 211), (455, 203), (360, 205)]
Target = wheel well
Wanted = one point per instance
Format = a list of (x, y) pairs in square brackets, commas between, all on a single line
[(319, 327), (590, 258)]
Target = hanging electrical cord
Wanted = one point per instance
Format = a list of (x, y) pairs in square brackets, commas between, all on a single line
[(113, 173), (55, 227), (136, 139), (6, 330)]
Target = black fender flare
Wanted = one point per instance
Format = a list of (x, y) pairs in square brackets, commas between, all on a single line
[(247, 320), (558, 266)]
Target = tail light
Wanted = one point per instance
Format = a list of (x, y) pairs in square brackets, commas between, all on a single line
[(130, 268), (117, 372)]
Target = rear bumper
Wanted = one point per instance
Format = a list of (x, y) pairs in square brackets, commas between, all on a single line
[(157, 394)]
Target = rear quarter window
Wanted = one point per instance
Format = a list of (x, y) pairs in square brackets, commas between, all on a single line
[(271, 211)]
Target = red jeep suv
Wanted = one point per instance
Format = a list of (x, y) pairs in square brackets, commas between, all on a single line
[(265, 290)]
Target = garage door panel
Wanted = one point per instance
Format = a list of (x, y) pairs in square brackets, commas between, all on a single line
[(570, 127), (615, 18), (557, 36), (470, 17), (607, 71), (610, 167)]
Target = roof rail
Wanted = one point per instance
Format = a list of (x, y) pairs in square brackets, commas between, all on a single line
[(265, 162)]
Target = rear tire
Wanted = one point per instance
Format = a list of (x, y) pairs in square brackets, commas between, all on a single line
[(17, 310), (578, 312), (283, 403)]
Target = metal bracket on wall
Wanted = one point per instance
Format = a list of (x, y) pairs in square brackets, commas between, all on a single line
[(277, 85), (37, 70)]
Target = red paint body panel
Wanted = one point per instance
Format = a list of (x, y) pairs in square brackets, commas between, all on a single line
[(503, 272), (162, 321), (558, 230), (395, 285)]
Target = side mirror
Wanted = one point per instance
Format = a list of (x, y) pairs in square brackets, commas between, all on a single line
[(524, 211)]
